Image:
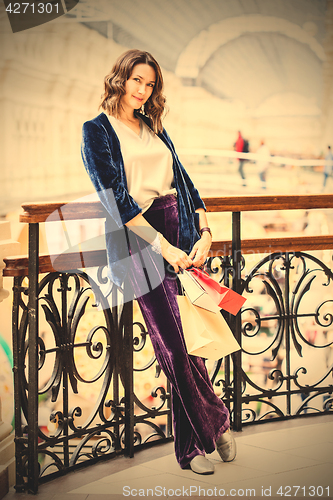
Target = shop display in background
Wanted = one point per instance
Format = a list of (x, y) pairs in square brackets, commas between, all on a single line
[(6, 381)]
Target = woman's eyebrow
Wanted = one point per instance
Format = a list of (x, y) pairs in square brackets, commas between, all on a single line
[(151, 81)]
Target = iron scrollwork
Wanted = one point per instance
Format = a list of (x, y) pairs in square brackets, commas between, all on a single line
[(81, 346), (283, 325), (82, 386), (291, 284)]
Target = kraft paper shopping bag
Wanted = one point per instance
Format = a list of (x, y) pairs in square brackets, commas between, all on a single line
[(206, 333), (196, 292)]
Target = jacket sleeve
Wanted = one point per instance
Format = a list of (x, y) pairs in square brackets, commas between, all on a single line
[(106, 175), (198, 202)]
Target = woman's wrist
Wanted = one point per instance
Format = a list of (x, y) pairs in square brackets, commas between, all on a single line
[(205, 231), (156, 245), (164, 245)]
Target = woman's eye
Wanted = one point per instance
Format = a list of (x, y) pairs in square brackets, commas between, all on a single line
[(151, 85), (136, 79)]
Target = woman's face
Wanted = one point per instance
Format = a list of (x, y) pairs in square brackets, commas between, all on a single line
[(139, 87)]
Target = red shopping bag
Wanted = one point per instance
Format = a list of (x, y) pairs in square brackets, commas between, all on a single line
[(226, 299)]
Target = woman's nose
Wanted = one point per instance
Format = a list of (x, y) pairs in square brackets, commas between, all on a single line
[(142, 89)]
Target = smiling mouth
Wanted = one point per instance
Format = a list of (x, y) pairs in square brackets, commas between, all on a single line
[(138, 98)]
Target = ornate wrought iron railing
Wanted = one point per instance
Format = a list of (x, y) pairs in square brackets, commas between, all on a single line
[(71, 338), (268, 379)]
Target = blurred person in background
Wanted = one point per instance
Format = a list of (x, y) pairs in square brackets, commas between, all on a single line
[(143, 186), (328, 166), (239, 147), (263, 162)]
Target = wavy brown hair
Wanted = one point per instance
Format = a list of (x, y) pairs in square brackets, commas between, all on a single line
[(114, 86)]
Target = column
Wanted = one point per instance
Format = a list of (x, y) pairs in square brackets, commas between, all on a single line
[(8, 247)]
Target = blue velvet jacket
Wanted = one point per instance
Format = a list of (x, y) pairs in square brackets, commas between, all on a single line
[(103, 161)]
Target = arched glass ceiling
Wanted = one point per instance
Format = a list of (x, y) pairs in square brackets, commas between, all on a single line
[(166, 27), (257, 66)]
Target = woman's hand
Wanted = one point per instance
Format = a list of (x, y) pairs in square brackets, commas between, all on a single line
[(175, 256), (201, 249)]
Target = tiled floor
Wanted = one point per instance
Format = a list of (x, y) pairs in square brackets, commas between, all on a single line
[(273, 460)]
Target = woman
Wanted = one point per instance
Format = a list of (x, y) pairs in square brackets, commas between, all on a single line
[(144, 188)]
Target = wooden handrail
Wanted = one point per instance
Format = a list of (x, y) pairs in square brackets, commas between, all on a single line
[(270, 202), (65, 262), (18, 266), (270, 245), (42, 212), (55, 211)]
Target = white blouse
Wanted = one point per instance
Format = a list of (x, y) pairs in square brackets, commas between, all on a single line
[(147, 162)]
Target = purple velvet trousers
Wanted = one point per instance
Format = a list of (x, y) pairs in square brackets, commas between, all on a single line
[(199, 415)]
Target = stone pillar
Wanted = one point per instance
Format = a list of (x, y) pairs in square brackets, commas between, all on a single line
[(8, 247), (327, 104), (7, 457)]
